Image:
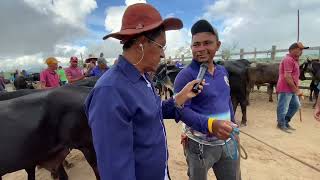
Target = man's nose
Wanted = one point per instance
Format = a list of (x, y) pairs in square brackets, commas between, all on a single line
[(162, 55)]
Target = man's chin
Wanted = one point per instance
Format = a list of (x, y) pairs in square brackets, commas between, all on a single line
[(202, 59)]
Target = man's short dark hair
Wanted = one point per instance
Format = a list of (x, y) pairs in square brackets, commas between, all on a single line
[(203, 26), (152, 34)]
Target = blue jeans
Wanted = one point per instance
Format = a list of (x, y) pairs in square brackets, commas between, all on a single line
[(288, 105)]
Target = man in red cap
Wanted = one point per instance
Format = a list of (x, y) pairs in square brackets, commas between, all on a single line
[(288, 86), (74, 73), (124, 111)]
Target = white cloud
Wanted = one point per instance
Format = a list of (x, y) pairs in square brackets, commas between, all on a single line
[(175, 39), (114, 15), (35, 62), (69, 50), (114, 18), (33, 26), (262, 24), (130, 2)]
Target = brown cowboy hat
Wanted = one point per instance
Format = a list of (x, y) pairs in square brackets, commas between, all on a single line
[(141, 17)]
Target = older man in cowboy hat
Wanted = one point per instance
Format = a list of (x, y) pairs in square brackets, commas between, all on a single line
[(125, 113)]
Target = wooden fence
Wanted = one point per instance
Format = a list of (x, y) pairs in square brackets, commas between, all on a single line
[(273, 51)]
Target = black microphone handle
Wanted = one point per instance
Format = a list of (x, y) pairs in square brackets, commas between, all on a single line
[(202, 71)]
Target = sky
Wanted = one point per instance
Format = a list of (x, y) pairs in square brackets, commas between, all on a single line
[(32, 30)]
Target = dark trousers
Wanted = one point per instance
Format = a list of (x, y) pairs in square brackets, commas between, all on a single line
[(215, 157)]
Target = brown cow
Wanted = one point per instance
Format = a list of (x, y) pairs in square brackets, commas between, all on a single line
[(261, 73)]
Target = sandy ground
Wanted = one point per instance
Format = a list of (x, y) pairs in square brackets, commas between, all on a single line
[(263, 162)]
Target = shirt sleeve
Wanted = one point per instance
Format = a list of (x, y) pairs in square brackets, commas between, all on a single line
[(43, 77), (92, 73), (191, 118), (112, 133), (68, 72), (288, 65)]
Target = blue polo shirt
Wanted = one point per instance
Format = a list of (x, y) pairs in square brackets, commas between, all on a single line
[(214, 101), (126, 118), (97, 71)]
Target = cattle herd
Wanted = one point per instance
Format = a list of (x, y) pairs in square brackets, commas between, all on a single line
[(40, 127)]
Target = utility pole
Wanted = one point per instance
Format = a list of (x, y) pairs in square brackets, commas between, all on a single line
[(298, 26)]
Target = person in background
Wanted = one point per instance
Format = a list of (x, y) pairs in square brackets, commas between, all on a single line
[(91, 64), (62, 76), (2, 84), (84, 68), (101, 68), (288, 86), (15, 74), (48, 77), (179, 64), (24, 73), (73, 72)]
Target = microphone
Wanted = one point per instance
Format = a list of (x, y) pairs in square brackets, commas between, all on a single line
[(202, 71)]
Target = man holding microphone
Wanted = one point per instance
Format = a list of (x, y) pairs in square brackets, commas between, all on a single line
[(204, 151)]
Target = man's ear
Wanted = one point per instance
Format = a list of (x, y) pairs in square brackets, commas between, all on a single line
[(218, 45)]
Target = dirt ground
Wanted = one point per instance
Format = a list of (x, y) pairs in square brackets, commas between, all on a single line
[(263, 163)]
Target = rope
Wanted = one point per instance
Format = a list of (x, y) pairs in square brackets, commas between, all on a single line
[(276, 149), (234, 156)]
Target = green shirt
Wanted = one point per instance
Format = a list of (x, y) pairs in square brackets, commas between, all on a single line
[(62, 75)]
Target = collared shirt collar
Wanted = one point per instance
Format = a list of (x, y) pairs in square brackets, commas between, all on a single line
[(51, 71), (293, 57), (129, 70)]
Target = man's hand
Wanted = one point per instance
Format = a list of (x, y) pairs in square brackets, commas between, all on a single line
[(299, 93), (186, 93), (184, 140), (316, 113), (222, 129)]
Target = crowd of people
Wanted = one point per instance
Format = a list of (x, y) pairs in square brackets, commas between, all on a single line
[(55, 76)]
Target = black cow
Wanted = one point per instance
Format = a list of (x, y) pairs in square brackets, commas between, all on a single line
[(164, 78), (22, 82), (41, 127), (239, 84), (261, 73), (313, 68)]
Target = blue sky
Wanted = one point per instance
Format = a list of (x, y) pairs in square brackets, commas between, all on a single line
[(189, 11)]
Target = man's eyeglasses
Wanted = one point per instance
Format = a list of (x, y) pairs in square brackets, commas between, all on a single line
[(159, 45)]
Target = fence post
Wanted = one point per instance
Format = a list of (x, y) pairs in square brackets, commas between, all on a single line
[(241, 53), (182, 59), (273, 53), (255, 54)]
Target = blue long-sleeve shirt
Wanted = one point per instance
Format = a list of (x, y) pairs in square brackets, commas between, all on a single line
[(126, 118), (214, 101)]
